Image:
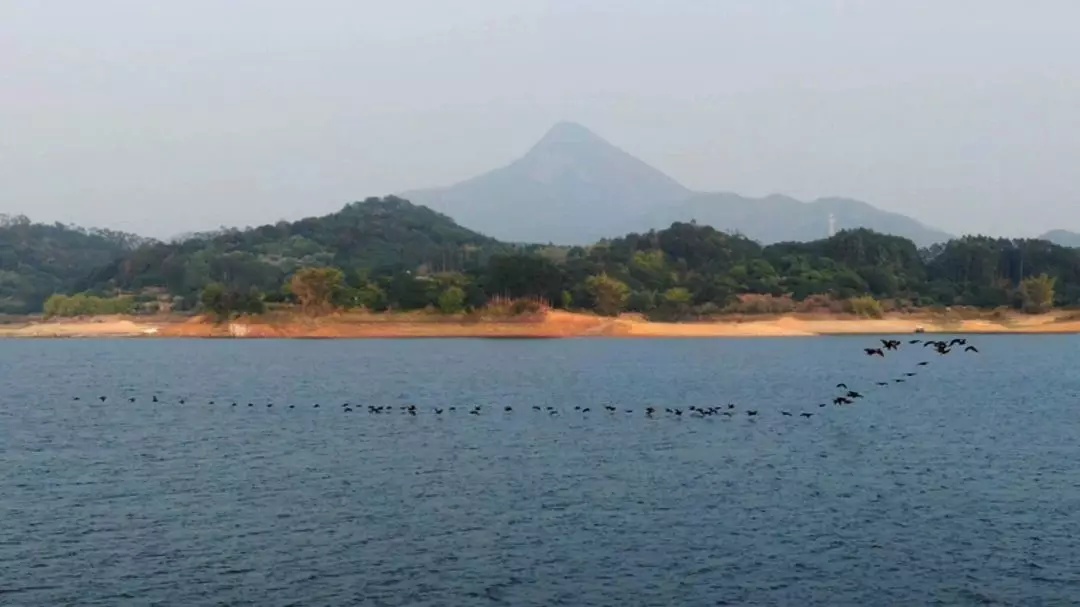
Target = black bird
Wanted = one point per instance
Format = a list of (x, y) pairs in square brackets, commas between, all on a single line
[(971, 349), (251, 404), (751, 413), (914, 341), (131, 400), (629, 411), (234, 404), (883, 383), (609, 408), (577, 407), (316, 405), (806, 415), (649, 411), (909, 375), (268, 405), (348, 410), (785, 413), (452, 409), (508, 408), (844, 386), (155, 399), (840, 400), (943, 351), (853, 394), (438, 411), (412, 412), (923, 363), (76, 398), (730, 406), (962, 342), (474, 412), (890, 344), (181, 401), (102, 398), (822, 405), (586, 410), (211, 402), (292, 406), (536, 408), (728, 413), (874, 352), (899, 381), (678, 412)]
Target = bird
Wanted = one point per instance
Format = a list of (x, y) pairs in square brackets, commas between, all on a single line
[(131, 400), (536, 408), (971, 349), (923, 363), (292, 406), (316, 406), (853, 394), (909, 375), (438, 411), (899, 381), (155, 399), (234, 404), (348, 410), (508, 408), (890, 344), (844, 386), (840, 400), (751, 413), (102, 398), (914, 341), (806, 415), (874, 352), (821, 404), (182, 401), (958, 341), (785, 414), (586, 410), (649, 411), (76, 398), (883, 383)]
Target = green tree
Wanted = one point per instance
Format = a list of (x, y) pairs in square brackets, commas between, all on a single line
[(213, 300), (317, 288), (1037, 293), (609, 294), (452, 300)]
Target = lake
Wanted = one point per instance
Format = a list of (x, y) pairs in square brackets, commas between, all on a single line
[(958, 486)]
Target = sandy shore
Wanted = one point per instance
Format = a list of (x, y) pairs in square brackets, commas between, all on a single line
[(553, 324)]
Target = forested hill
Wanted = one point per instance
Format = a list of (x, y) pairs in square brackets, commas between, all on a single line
[(389, 253), (37, 260), (374, 236)]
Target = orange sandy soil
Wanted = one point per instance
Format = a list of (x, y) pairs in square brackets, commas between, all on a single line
[(552, 324)]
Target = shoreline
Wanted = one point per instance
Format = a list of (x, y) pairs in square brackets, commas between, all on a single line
[(554, 324)]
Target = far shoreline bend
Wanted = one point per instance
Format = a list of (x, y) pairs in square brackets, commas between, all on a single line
[(552, 324)]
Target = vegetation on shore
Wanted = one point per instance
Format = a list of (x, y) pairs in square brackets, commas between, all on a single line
[(387, 254)]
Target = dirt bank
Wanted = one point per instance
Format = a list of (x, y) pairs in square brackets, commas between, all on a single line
[(553, 324)]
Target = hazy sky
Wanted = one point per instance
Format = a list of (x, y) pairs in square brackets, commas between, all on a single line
[(163, 117)]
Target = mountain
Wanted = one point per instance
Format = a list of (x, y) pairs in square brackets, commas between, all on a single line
[(1063, 238), (572, 187), (370, 236), (779, 218), (37, 260)]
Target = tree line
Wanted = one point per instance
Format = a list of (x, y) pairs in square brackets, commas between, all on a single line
[(688, 271), (388, 254)]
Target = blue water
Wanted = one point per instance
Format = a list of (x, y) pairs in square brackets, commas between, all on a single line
[(959, 486)]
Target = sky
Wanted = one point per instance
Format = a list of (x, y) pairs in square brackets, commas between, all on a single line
[(168, 117)]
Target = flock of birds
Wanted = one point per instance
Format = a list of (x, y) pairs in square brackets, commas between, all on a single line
[(847, 397)]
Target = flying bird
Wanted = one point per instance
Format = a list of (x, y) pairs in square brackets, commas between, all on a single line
[(874, 351)]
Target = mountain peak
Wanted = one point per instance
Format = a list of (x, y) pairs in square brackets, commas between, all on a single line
[(569, 132), (571, 187)]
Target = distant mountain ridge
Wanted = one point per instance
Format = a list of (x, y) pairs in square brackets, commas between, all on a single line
[(571, 187), (1064, 238), (574, 187)]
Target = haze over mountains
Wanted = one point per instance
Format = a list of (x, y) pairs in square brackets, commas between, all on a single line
[(573, 187)]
